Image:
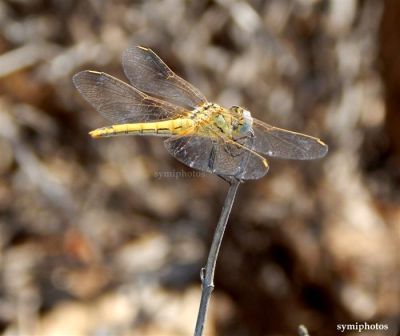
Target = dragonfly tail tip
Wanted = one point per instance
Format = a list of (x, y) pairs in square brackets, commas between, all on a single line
[(94, 134)]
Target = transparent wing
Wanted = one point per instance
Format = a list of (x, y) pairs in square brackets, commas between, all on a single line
[(147, 72), (120, 102), (277, 142), (216, 156)]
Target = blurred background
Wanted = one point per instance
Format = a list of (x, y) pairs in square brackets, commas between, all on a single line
[(107, 237)]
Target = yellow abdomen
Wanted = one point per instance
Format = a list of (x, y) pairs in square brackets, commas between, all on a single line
[(160, 128)]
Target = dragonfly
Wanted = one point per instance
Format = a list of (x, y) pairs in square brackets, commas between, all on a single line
[(203, 135)]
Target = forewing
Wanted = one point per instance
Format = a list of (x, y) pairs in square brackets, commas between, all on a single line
[(215, 156), (148, 73), (277, 142), (120, 102)]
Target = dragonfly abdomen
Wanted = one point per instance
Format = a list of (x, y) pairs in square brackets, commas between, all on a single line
[(159, 128)]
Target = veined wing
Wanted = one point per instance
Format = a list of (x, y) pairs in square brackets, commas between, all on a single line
[(217, 155), (120, 102), (281, 143), (148, 73)]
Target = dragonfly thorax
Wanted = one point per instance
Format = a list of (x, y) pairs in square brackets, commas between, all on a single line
[(234, 122), (205, 112)]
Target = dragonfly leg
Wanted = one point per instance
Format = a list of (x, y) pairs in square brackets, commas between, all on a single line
[(231, 179), (233, 150), (249, 134), (237, 150), (211, 163), (211, 158), (246, 156)]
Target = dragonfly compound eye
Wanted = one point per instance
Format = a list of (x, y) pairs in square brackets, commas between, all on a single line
[(247, 122)]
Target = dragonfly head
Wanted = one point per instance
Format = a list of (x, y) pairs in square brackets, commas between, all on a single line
[(242, 121)]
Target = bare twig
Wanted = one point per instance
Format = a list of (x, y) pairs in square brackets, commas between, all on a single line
[(303, 331), (207, 274)]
